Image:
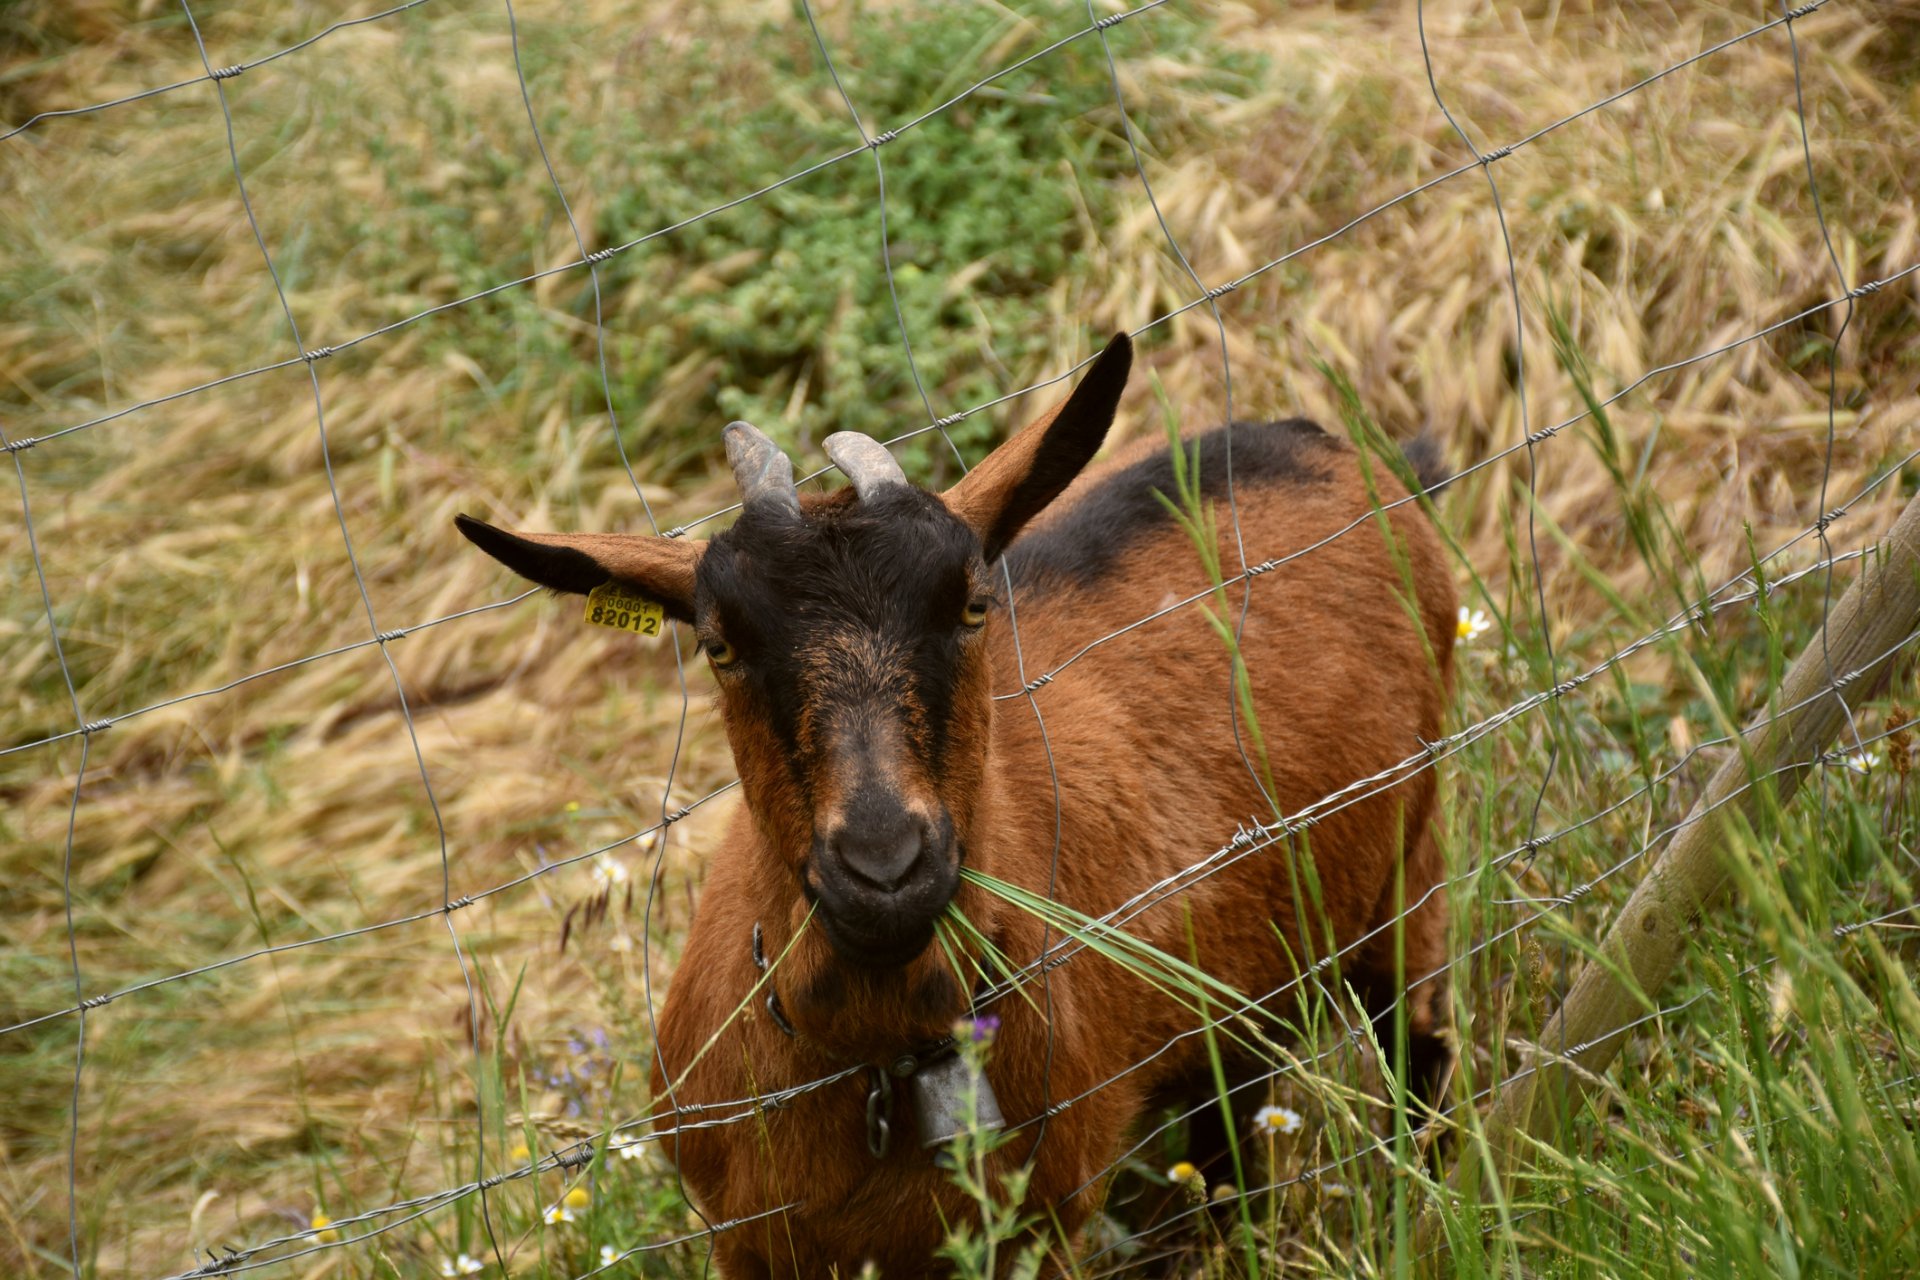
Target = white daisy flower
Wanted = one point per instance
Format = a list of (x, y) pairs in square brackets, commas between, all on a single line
[(608, 1255), (629, 1148), (1280, 1120), (1471, 625), (464, 1265), (557, 1214), (608, 870), (1860, 762)]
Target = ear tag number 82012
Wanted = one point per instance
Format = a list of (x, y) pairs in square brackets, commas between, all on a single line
[(613, 604)]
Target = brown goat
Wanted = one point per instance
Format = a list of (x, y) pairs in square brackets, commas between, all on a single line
[(859, 640)]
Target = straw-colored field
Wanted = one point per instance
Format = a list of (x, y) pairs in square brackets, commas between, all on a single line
[(192, 543)]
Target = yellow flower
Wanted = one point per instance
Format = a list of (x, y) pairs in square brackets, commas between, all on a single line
[(577, 1198), (1184, 1176), (520, 1153), (557, 1214), (320, 1224), (1470, 625)]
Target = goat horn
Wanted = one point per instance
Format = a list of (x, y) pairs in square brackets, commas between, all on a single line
[(865, 461), (764, 474)]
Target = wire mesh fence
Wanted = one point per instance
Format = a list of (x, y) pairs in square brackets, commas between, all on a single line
[(1510, 871)]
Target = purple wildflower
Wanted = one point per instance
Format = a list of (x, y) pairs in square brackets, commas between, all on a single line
[(978, 1030)]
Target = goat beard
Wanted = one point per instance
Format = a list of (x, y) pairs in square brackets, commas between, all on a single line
[(862, 1013)]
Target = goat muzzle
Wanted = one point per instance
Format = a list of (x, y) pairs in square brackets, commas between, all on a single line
[(881, 884)]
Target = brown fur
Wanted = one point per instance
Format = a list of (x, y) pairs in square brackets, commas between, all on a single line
[(1350, 673), (1150, 781)]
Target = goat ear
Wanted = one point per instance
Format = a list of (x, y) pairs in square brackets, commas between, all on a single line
[(1017, 480), (663, 568)]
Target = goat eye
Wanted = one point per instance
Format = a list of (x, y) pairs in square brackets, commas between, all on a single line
[(720, 653), (975, 614)]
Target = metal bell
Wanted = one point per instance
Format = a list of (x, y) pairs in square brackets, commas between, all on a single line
[(949, 1096)]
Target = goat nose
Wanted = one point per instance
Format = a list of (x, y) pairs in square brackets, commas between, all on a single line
[(882, 855)]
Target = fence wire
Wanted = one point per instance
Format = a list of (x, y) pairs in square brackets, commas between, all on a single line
[(649, 1128), (1253, 836), (211, 76)]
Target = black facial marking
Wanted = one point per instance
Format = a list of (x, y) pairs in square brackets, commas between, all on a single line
[(1082, 546), (809, 605)]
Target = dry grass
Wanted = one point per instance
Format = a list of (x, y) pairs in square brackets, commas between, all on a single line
[(194, 543)]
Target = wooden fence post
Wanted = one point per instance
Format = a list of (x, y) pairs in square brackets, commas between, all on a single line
[(1650, 935)]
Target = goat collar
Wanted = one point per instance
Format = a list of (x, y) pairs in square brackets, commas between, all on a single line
[(950, 1091), (778, 1014)]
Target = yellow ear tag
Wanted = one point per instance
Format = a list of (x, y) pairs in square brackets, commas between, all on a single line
[(614, 604)]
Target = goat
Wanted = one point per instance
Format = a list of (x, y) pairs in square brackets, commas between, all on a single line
[(863, 648)]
